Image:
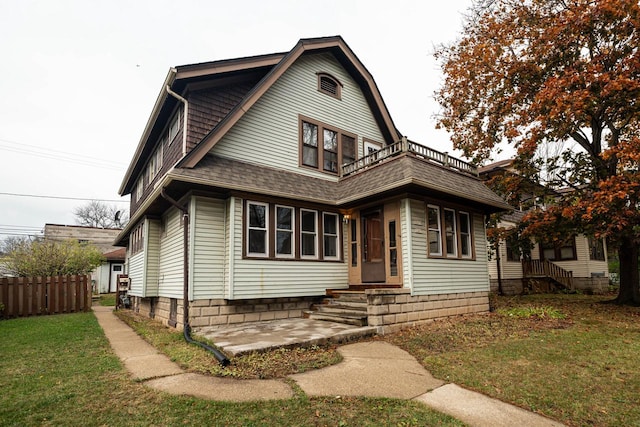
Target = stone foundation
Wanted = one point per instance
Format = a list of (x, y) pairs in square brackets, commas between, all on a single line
[(509, 286), (588, 285), (393, 309), (211, 312)]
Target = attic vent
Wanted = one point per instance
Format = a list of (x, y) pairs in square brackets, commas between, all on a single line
[(329, 85)]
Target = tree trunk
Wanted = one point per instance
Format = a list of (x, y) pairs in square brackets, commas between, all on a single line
[(629, 275)]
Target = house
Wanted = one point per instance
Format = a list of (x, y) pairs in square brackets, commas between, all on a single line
[(104, 277), (262, 184), (579, 263)]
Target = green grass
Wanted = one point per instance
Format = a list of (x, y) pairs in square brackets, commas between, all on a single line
[(60, 371), (575, 361), (108, 300)]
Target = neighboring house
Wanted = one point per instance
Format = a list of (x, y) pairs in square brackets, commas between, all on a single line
[(580, 263), (103, 277), (292, 182)]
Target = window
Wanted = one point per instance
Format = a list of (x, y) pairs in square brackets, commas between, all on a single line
[(174, 126), (512, 254), (329, 85), (284, 232), (354, 243), (136, 243), (257, 220), (450, 232), (596, 249), (338, 147), (562, 251), (465, 235), (433, 220), (330, 235), (308, 234), (139, 188), (393, 249), (288, 233)]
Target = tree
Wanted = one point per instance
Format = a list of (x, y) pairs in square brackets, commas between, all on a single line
[(98, 214), (549, 72), (52, 258)]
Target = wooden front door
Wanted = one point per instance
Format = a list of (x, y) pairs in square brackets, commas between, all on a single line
[(373, 246)]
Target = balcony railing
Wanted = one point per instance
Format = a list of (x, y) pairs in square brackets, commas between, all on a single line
[(406, 146)]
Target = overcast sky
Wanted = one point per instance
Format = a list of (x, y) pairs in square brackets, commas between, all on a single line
[(79, 78)]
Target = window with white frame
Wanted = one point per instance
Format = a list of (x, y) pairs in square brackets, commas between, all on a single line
[(450, 236), (139, 188), (285, 241), (434, 234), (257, 236), (450, 233), (308, 233), (330, 235), (465, 235)]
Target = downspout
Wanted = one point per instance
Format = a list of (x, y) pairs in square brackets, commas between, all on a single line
[(184, 117), (224, 361)]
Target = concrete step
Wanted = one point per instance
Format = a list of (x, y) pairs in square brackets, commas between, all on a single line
[(338, 308), (349, 319)]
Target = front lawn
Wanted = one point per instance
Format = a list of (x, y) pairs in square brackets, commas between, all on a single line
[(60, 371), (569, 357)]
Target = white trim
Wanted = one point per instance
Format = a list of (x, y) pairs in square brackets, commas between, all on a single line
[(408, 258), (232, 244), (337, 236), (192, 243), (469, 230), (265, 229), (292, 231), (453, 254), (439, 253), (315, 235)]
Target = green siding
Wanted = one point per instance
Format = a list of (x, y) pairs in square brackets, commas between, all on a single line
[(208, 248), (268, 132), (171, 256)]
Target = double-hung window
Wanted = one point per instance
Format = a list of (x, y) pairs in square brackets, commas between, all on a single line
[(465, 235), (308, 234), (258, 226), (435, 239), (285, 226), (449, 233), (330, 233), (325, 148)]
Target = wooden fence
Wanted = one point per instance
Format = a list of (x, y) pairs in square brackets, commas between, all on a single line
[(32, 296)]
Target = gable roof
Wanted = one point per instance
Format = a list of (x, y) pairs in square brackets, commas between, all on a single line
[(277, 64), (337, 46)]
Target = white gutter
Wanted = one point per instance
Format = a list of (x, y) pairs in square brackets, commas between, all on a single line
[(184, 116)]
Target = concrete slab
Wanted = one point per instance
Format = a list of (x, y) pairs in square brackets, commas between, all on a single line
[(259, 336), (479, 410), (373, 369), (222, 389), (151, 366)]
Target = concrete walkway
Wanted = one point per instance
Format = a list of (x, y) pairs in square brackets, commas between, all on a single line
[(374, 369)]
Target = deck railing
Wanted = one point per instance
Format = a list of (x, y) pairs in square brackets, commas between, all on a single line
[(545, 268), (406, 146)]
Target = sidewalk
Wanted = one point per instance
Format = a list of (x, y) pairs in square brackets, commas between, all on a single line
[(373, 369)]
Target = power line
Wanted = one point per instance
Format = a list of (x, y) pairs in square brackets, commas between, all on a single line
[(63, 197), (51, 153)]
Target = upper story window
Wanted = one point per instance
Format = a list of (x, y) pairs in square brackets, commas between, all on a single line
[(139, 188), (325, 148), (329, 85)]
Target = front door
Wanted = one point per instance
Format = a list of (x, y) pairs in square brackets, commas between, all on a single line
[(113, 276), (373, 246)]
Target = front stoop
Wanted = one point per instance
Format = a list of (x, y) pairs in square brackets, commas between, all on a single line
[(348, 307)]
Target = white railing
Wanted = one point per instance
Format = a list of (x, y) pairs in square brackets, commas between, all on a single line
[(406, 146)]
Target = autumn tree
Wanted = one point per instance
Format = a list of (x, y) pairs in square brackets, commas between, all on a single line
[(550, 73), (99, 214)]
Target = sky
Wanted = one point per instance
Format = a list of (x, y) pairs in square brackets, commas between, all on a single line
[(78, 80)]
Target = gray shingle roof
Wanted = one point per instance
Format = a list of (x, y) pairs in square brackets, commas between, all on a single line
[(395, 174)]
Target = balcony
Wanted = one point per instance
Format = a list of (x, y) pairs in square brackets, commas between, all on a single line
[(410, 148)]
